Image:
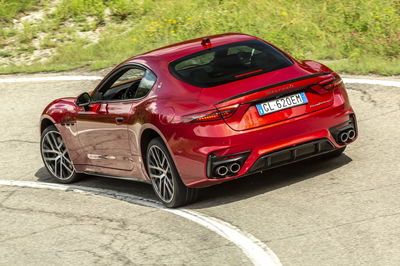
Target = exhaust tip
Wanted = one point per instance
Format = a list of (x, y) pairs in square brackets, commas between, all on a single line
[(234, 168), (344, 137), (351, 134), (222, 170)]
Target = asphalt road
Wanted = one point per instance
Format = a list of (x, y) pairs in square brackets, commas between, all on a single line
[(342, 211)]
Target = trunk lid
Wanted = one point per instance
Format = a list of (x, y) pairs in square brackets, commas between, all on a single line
[(267, 87)]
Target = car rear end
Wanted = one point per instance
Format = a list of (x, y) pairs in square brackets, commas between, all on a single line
[(263, 114)]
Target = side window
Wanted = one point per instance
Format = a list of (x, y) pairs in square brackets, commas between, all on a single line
[(129, 76), (130, 83), (145, 84)]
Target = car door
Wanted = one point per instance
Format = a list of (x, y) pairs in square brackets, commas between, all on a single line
[(102, 125)]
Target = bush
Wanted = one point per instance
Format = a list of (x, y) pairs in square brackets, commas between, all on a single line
[(355, 36), (122, 9), (78, 9)]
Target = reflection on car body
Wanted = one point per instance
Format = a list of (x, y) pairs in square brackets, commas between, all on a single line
[(199, 113)]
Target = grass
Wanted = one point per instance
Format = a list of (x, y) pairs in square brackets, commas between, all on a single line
[(366, 65), (9, 9), (358, 37)]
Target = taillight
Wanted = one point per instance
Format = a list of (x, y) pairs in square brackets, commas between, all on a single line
[(331, 83), (212, 115)]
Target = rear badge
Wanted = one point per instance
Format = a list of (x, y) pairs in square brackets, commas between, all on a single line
[(318, 104)]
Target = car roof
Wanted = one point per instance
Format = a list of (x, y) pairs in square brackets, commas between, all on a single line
[(171, 52)]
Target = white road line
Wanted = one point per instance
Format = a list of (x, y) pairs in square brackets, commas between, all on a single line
[(253, 248), (391, 83), (50, 78)]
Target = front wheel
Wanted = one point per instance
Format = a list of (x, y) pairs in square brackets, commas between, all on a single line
[(165, 179), (55, 156)]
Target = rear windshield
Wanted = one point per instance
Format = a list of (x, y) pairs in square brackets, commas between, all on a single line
[(228, 63)]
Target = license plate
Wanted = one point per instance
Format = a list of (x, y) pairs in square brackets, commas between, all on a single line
[(282, 103)]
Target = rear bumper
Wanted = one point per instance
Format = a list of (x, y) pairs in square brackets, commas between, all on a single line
[(261, 143), (306, 150), (292, 154)]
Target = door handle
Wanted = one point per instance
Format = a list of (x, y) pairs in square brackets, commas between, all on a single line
[(119, 120)]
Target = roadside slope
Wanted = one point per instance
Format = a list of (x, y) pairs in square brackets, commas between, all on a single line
[(358, 36)]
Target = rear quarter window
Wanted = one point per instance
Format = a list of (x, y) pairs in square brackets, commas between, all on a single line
[(145, 84), (227, 63)]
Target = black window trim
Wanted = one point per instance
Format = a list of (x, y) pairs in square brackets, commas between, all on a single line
[(115, 72), (174, 73)]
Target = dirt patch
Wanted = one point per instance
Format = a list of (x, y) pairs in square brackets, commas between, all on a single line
[(34, 37)]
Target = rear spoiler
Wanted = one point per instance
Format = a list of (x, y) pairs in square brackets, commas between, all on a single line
[(283, 90)]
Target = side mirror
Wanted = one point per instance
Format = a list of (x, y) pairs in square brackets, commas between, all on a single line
[(83, 99)]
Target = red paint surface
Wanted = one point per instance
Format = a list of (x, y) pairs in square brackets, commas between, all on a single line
[(95, 131)]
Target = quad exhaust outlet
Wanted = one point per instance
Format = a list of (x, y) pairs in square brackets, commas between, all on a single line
[(347, 136), (222, 170), (351, 134), (344, 137), (346, 132), (228, 169), (226, 165), (234, 168)]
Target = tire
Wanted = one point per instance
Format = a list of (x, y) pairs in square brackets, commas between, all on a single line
[(55, 156), (165, 179)]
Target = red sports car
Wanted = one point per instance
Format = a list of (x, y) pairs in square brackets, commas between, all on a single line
[(196, 114)]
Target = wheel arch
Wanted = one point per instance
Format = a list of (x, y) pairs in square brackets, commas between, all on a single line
[(148, 133), (45, 122)]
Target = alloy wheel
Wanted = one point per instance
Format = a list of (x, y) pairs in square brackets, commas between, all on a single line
[(160, 173), (55, 156)]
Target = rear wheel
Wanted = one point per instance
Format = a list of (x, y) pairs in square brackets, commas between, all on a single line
[(165, 179), (55, 156)]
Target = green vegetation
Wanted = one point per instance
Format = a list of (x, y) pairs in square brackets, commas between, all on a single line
[(10, 8), (359, 36)]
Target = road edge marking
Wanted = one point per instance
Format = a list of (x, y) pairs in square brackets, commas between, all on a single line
[(391, 83), (255, 250), (49, 78)]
